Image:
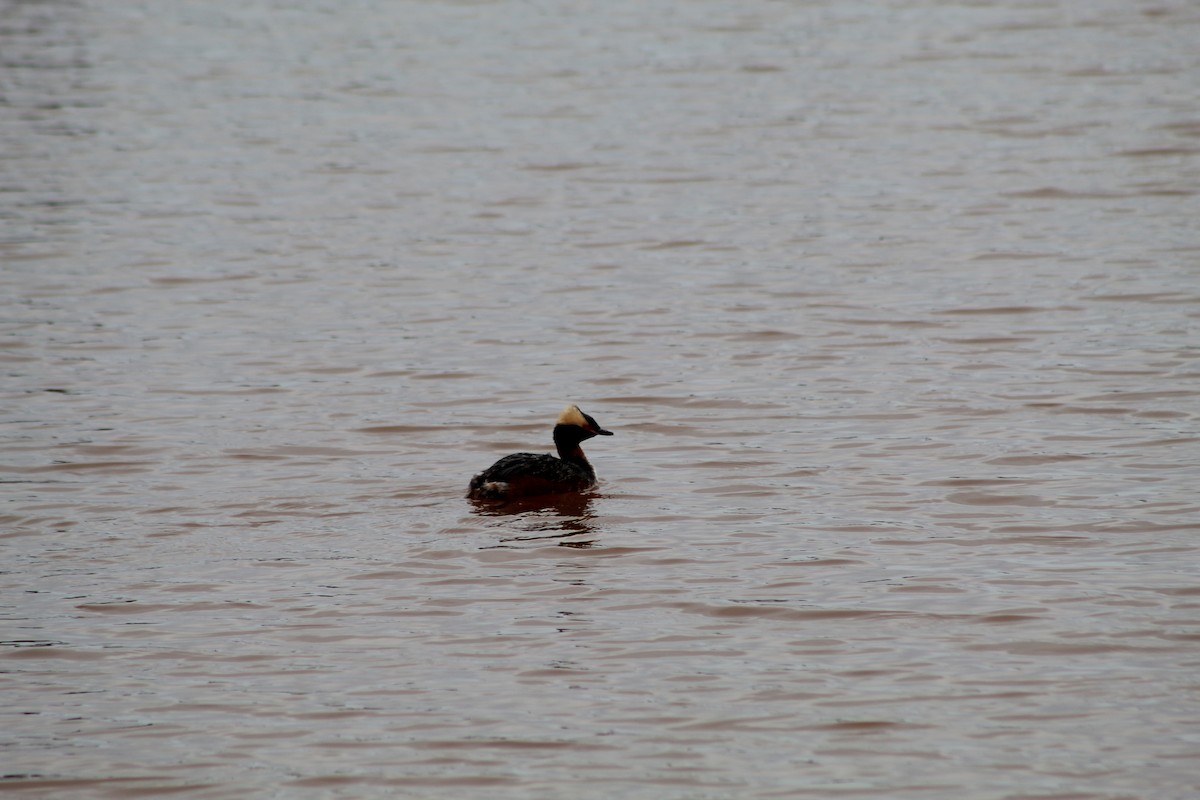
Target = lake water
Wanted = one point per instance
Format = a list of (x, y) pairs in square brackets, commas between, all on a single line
[(893, 308)]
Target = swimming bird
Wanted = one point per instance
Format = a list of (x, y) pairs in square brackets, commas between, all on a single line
[(527, 474)]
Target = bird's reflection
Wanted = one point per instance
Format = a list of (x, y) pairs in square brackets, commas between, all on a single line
[(544, 517)]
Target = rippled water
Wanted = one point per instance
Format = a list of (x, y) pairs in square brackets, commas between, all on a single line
[(892, 307)]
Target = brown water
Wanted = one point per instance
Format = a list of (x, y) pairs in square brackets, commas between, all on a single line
[(894, 309)]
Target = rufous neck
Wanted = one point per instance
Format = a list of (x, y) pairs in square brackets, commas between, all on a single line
[(566, 441)]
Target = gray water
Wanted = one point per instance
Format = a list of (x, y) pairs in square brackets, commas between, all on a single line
[(893, 309)]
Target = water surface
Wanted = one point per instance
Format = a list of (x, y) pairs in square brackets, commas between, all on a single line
[(892, 307)]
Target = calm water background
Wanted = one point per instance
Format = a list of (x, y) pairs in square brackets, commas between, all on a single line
[(894, 308)]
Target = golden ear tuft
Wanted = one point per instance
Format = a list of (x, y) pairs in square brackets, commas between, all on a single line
[(571, 415)]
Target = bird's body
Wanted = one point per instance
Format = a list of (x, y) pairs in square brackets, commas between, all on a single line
[(528, 474)]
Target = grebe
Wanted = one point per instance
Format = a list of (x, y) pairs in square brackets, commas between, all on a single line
[(526, 474)]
